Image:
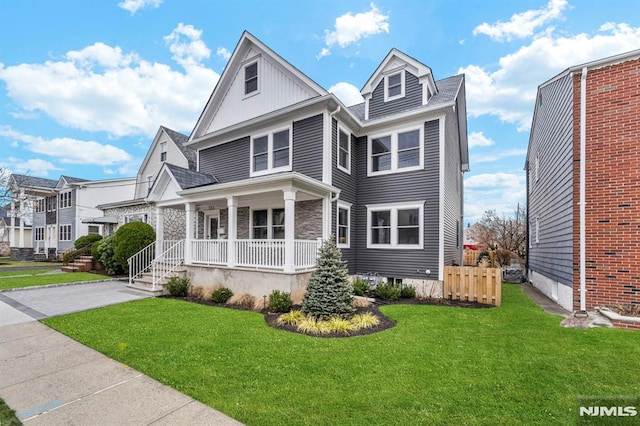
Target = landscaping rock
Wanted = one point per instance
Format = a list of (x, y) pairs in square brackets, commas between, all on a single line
[(512, 275)]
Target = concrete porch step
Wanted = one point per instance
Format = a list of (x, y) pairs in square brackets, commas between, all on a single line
[(146, 289)]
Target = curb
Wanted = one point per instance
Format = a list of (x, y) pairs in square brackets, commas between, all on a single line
[(57, 285)]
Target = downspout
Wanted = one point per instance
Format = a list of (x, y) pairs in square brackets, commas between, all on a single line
[(583, 172)]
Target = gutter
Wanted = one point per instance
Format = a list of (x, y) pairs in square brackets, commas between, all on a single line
[(583, 172)]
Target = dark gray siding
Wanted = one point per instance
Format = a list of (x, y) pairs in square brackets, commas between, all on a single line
[(412, 98), (397, 188), (347, 185), (307, 146), (67, 216), (551, 197), (452, 209), (228, 162)]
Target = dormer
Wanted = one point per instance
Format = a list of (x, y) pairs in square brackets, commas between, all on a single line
[(398, 84)]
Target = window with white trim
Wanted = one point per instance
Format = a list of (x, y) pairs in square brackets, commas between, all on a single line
[(39, 205), (537, 229), (64, 233), (343, 225), (163, 151), (93, 229), (251, 78), (149, 183), (51, 203), (395, 226), (136, 217), (267, 224), (396, 152), (65, 200), (344, 151), (537, 168), (271, 152), (394, 86), (39, 231)]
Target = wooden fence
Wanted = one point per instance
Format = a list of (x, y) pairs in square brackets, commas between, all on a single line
[(470, 257), (482, 285)]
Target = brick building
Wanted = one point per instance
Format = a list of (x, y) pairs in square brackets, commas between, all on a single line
[(583, 185)]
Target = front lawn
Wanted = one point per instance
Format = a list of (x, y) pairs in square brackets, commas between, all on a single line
[(24, 272), (439, 365), (36, 280), (7, 262)]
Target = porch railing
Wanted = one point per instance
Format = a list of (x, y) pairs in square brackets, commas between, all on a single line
[(140, 262), (260, 253), (167, 262), (210, 252), (306, 253)]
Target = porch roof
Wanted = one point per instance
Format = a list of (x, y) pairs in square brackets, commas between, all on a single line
[(288, 180)]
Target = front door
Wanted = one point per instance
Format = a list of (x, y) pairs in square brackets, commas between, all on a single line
[(212, 223)]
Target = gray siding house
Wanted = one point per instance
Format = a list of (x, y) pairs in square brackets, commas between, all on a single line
[(291, 165)]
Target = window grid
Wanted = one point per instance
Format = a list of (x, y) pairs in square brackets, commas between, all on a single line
[(343, 225), (251, 78), (65, 200), (344, 151), (65, 233)]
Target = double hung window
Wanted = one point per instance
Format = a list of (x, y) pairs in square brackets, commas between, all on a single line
[(396, 152), (271, 152), (395, 226)]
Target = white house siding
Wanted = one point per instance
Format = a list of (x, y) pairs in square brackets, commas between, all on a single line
[(153, 164), (550, 196), (276, 89)]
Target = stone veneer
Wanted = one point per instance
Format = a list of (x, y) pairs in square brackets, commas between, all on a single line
[(174, 219), (308, 217)]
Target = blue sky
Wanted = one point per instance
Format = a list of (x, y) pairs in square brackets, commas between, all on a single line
[(84, 85)]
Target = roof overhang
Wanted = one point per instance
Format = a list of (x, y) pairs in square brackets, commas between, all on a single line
[(104, 220)]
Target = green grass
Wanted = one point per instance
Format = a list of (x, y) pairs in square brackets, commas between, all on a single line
[(439, 365), (23, 272), (36, 280), (7, 262), (7, 416)]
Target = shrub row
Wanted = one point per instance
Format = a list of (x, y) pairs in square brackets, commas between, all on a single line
[(384, 291)]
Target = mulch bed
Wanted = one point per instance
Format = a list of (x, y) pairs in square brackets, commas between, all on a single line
[(385, 322)]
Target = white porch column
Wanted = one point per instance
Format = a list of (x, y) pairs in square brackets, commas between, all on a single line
[(22, 214), (12, 223), (190, 209), (159, 230), (289, 229), (232, 230)]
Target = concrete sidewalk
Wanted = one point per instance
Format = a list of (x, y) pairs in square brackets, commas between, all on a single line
[(50, 379)]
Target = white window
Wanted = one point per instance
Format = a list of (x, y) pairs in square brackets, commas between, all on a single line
[(537, 229), (39, 233), (163, 151), (64, 233), (39, 205), (394, 86), (51, 203), (267, 224), (136, 217), (271, 152), (251, 78), (344, 151), (94, 229), (149, 183), (537, 168), (396, 152), (65, 200), (343, 225), (395, 226)]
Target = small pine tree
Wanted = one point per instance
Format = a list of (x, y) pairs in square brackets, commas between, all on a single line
[(329, 292)]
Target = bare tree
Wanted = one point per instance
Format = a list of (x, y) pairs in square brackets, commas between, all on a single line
[(502, 232), (5, 193)]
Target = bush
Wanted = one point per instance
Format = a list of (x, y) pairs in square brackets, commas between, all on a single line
[(329, 292), (221, 295), (290, 318), (244, 301), (280, 301), (104, 254), (361, 287), (484, 258), (407, 292), (178, 286), (386, 291), (129, 239), (86, 240)]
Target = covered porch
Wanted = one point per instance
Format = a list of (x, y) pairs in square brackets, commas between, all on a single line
[(270, 224)]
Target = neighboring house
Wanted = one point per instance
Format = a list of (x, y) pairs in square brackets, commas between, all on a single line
[(59, 208), (168, 147), (11, 230), (583, 185), (283, 164)]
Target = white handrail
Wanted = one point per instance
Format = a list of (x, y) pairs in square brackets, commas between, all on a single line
[(140, 262), (167, 262)]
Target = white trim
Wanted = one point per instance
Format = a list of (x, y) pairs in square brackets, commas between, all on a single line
[(269, 134), (441, 152), (393, 134), (208, 215), (392, 73), (393, 208), (269, 221), (537, 167), (60, 231), (537, 229), (344, 130), (70, 199), (344, 206)]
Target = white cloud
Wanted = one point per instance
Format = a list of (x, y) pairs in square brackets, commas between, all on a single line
[(510, 91), (347, 93), (500, 155), (102, 88), (134, 5), (350, 28), (31, 167), (70, 151), (223, 53), (522, 24), (493, 191), (479, 139)]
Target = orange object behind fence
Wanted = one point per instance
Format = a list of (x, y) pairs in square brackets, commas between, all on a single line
[(482, 285)]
